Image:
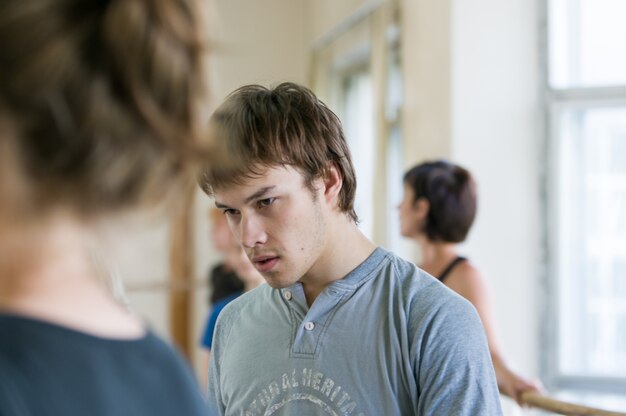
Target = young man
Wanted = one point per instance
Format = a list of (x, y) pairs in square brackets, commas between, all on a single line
[(343, 327)]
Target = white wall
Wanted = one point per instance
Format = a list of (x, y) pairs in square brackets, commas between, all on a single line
[(140, 260), (496, 134), (324, 16), (257, 42), (426, 54)]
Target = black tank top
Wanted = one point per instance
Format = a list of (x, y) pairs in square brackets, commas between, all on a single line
[(450, 267)]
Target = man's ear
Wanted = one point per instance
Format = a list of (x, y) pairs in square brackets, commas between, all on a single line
[(333, 181)]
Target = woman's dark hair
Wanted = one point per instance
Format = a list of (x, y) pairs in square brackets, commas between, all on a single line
[(451, 193), (224, 282)]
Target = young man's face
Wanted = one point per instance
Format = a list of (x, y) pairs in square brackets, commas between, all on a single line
[(279, 221)]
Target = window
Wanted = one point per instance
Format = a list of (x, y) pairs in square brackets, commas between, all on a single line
[(356, 71), (358, 114), (395, 157), (587, 47), (586, 203), (358, 122)]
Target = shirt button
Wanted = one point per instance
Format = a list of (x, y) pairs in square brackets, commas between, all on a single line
[(287, 295), (309, 326)]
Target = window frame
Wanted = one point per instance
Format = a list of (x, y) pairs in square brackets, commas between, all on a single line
[(357, 66), (555, 100)]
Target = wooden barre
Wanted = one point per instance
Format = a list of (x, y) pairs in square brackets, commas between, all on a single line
[(165, 286), (564, 408)]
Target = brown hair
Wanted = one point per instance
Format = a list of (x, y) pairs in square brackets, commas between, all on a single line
[(451, 193), (102, 98), (257, 127)]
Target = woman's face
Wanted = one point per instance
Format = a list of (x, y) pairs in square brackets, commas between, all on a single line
[(237, 259), (411, 218), (234, 254)]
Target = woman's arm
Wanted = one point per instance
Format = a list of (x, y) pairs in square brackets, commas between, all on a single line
[(467, 281)]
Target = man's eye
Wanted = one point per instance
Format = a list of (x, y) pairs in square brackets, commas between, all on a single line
[(265, 202), (230, 212)]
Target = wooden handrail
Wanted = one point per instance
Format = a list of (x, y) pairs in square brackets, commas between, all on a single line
[(564, 408), (166, 286)]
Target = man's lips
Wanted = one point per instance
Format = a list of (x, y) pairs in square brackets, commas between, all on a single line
[(265, 263)]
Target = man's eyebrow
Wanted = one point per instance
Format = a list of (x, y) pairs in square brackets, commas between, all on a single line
[(258, 194), (221, 206)]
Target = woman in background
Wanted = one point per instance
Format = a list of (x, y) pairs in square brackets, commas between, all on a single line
[(229, 279), (99, 108), (223, 281), (437, 211)]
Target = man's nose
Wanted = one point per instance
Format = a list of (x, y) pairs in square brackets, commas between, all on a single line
[(252, 232)]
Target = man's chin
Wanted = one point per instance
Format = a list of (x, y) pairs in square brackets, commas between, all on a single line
[(275, 282)]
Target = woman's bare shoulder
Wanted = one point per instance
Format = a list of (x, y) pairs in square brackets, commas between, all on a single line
[(467, 280)]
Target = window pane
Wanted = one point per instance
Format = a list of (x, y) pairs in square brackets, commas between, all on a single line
[(395, 157), (358, 122), (592, 242), (587, 43), (394, 188)]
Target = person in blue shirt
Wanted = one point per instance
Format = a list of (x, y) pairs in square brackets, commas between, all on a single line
[(231, 277)]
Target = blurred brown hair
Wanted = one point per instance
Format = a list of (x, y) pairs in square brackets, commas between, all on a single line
[(101, 98), (257, 127)]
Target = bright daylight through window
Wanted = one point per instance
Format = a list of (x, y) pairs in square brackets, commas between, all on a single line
[(586, 204)]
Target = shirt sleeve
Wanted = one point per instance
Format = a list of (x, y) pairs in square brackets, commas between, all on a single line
[(452, 365), (209, 331), (223, 325)]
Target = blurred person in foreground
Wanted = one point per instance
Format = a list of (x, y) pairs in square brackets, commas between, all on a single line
[(437, 211), (231, 277), (342, 327), (99, 104)]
